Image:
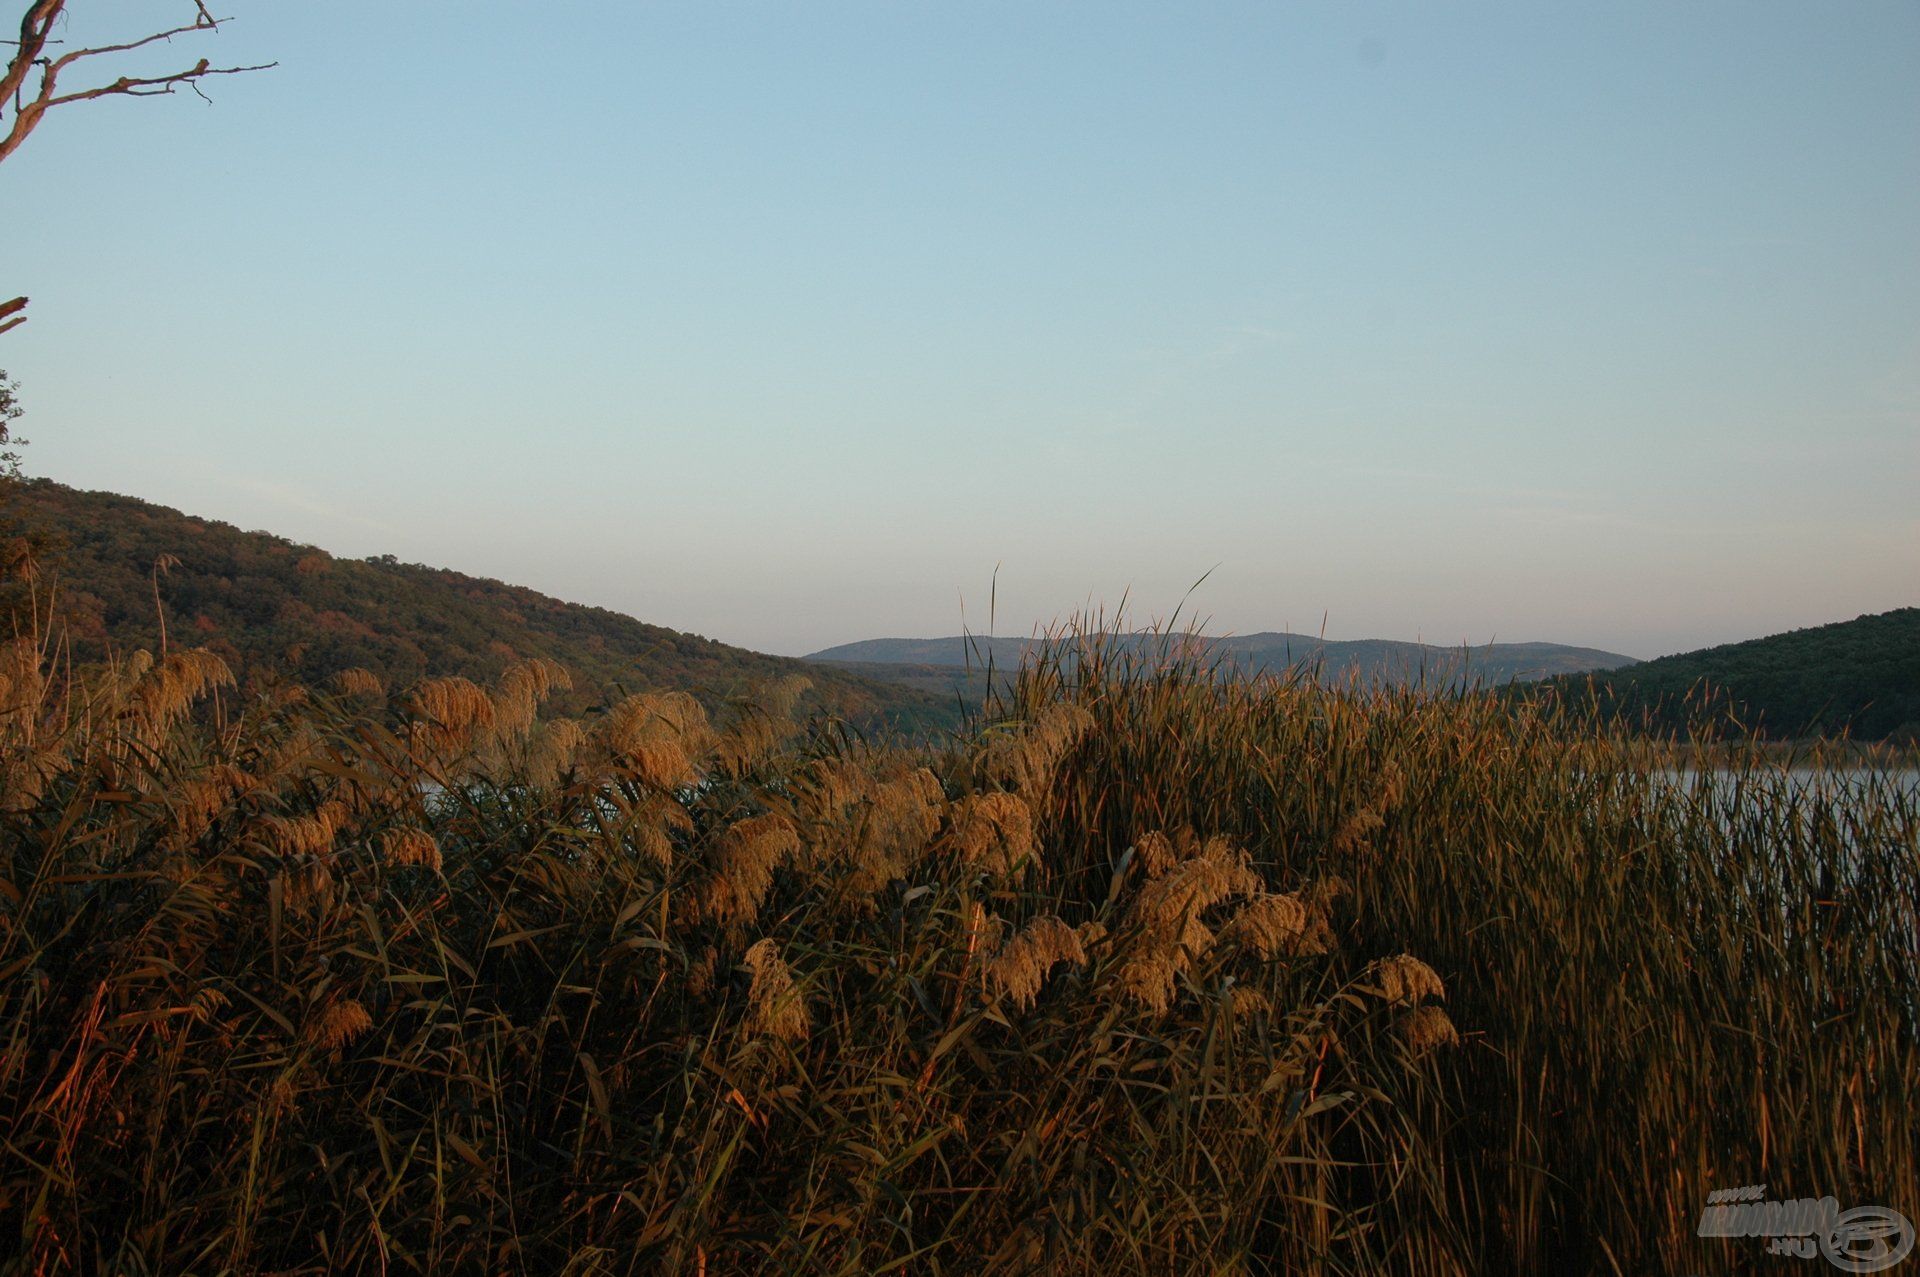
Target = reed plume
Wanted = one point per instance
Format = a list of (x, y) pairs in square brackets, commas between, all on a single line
[(207, 1004), (646, 822), (341, 1024), (1423, 1028), (775, 1006), (554, 750), (1021, 965), (902, 812), (992, 832), (170, 688), (702, 970), (1167, 931), (1404, 980), (1156, 853), (520, 691), (359, 682), (411, 847), (1250, 1003), (1357, 830), (289, 836), (780, 697), (201, 800), (27, 768), (1324, 893), (747, 742), (761, 722), (744, 864), (872, 822), (658, 736), (451, 712), (307, 885), (1279, 926), (826, 789), (1024, 761), (660, 817)]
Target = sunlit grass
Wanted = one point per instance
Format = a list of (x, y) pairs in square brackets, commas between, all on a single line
[(1149, 973)]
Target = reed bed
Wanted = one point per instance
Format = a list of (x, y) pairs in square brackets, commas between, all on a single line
[(1150, 972)]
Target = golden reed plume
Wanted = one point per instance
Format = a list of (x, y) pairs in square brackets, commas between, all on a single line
[(340, 1025), (993, 832), (1357, 830), (1405, 980), (517, 698), (554, 750), (452, 710), (1169, 934), (411, 847), (359, 682), (658, 736), (1025, 761), (1279, 926), (743, 871), (876, 824), (1022, 963), (1426, 1027), (775, 1006)]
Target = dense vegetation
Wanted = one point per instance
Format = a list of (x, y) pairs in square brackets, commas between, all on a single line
[(1154, 973), (270, 607), (1859, 677)]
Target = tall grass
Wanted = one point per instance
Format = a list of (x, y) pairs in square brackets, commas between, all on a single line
[(1151, 972), (1670, 981)]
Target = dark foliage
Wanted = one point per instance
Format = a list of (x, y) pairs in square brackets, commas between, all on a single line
[(1861, 677), (273, 608)]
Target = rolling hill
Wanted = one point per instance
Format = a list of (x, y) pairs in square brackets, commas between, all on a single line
[(267, 604), (1861, 676), (939, 663)]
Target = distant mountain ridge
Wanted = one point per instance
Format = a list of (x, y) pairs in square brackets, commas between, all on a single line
[(1860, 676), (1334, 660), (268, 605)]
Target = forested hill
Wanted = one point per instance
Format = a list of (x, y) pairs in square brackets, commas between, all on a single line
[(1335, 662), (267, 604), (1861, 675)]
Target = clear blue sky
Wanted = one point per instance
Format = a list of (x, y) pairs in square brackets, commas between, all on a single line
[(785, 324)]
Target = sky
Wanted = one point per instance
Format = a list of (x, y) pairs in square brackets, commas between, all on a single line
[(796, 324)]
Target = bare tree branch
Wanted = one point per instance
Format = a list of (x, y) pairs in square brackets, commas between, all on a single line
[(159, 84), (36, 29), (30, 107)]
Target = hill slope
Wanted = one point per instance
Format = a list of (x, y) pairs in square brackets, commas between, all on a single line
[(267, 604), (1367, 660), (1861, 675)]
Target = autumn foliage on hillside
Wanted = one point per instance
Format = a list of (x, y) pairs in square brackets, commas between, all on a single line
[(120, 568)]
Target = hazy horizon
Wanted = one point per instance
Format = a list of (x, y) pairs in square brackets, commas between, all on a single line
[(789, 328)]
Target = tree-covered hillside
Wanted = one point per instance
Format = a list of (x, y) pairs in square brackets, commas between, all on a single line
[(266, 604), (1861, 676), (924, 662)]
